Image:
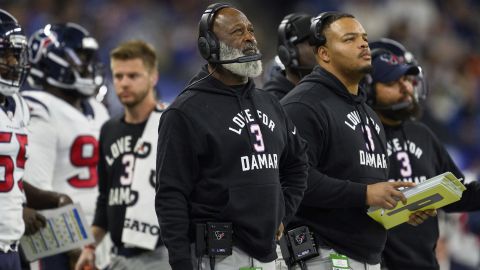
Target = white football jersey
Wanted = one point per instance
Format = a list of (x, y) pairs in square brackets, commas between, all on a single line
[(63, 147), (13, 147)]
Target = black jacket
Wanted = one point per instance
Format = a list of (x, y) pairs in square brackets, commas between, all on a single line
[(278, 85), (415, 155), (343, 161), (229, 155)]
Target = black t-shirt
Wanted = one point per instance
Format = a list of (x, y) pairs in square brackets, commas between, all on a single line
[(415, 155), (115, 172)]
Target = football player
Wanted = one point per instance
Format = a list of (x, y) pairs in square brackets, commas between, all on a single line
[(13, 138), (66, 120), (14, 117)]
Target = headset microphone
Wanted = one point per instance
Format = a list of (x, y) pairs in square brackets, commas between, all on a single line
[(401, 105), (395, 107), (241, 59)]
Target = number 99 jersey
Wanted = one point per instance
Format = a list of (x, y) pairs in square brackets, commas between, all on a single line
[(63, 147), (14, 117)]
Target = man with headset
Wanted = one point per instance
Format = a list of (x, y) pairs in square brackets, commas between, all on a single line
[(231, 167), (347, 149), (294, 52), (395, 90)]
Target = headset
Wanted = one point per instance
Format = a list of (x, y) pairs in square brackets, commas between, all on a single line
[(287, 51), (317, 38), (291, 31), (208, 44)]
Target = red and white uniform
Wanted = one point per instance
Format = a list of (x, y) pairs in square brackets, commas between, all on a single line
[(14, 118), (63, 147)]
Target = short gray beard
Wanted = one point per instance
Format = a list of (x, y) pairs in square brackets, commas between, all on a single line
[(249, 69)]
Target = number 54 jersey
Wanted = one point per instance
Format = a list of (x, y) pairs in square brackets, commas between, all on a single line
[(63, 147)]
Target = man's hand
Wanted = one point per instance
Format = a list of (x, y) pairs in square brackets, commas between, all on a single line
[(86, 261), (43, 199), (419, 217), (73, 256), (64, 199), (33, 220), (279, 233), (386, 194)]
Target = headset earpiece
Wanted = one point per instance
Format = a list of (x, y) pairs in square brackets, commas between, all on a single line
[(208, 46), (287, 51), (207, 43), (287, 56), (317, 38)]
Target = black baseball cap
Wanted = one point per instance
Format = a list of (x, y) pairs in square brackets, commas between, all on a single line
[(300, 27)]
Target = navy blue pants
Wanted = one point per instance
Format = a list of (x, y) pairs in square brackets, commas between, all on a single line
[(55, 262), (10, 261)]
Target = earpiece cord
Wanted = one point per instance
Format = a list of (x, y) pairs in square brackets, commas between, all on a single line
[(199, 80)]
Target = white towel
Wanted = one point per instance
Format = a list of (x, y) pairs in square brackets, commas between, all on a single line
[(141, 227)]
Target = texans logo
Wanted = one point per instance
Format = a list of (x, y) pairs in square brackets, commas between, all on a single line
[(300, 238), (219, 235), (390, 59)]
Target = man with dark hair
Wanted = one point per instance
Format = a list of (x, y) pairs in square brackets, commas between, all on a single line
[(18, 198), (228, 159), (127, 165), (294, 52), (396, 89), (66, 119), (14, 117), (347, 148)]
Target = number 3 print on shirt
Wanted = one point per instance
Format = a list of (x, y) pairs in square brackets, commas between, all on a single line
[(370, 144), (258, 145), (406, 170), (128, 160)]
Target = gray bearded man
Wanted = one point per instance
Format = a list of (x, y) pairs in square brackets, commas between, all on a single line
[(250, 69), (221, 141)]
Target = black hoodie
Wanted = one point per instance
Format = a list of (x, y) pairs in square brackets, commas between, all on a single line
[(342, 164), (278, 85), (227, 155), (415, 155)]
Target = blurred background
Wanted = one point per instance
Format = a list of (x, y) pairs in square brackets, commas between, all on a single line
[(444, 35)]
